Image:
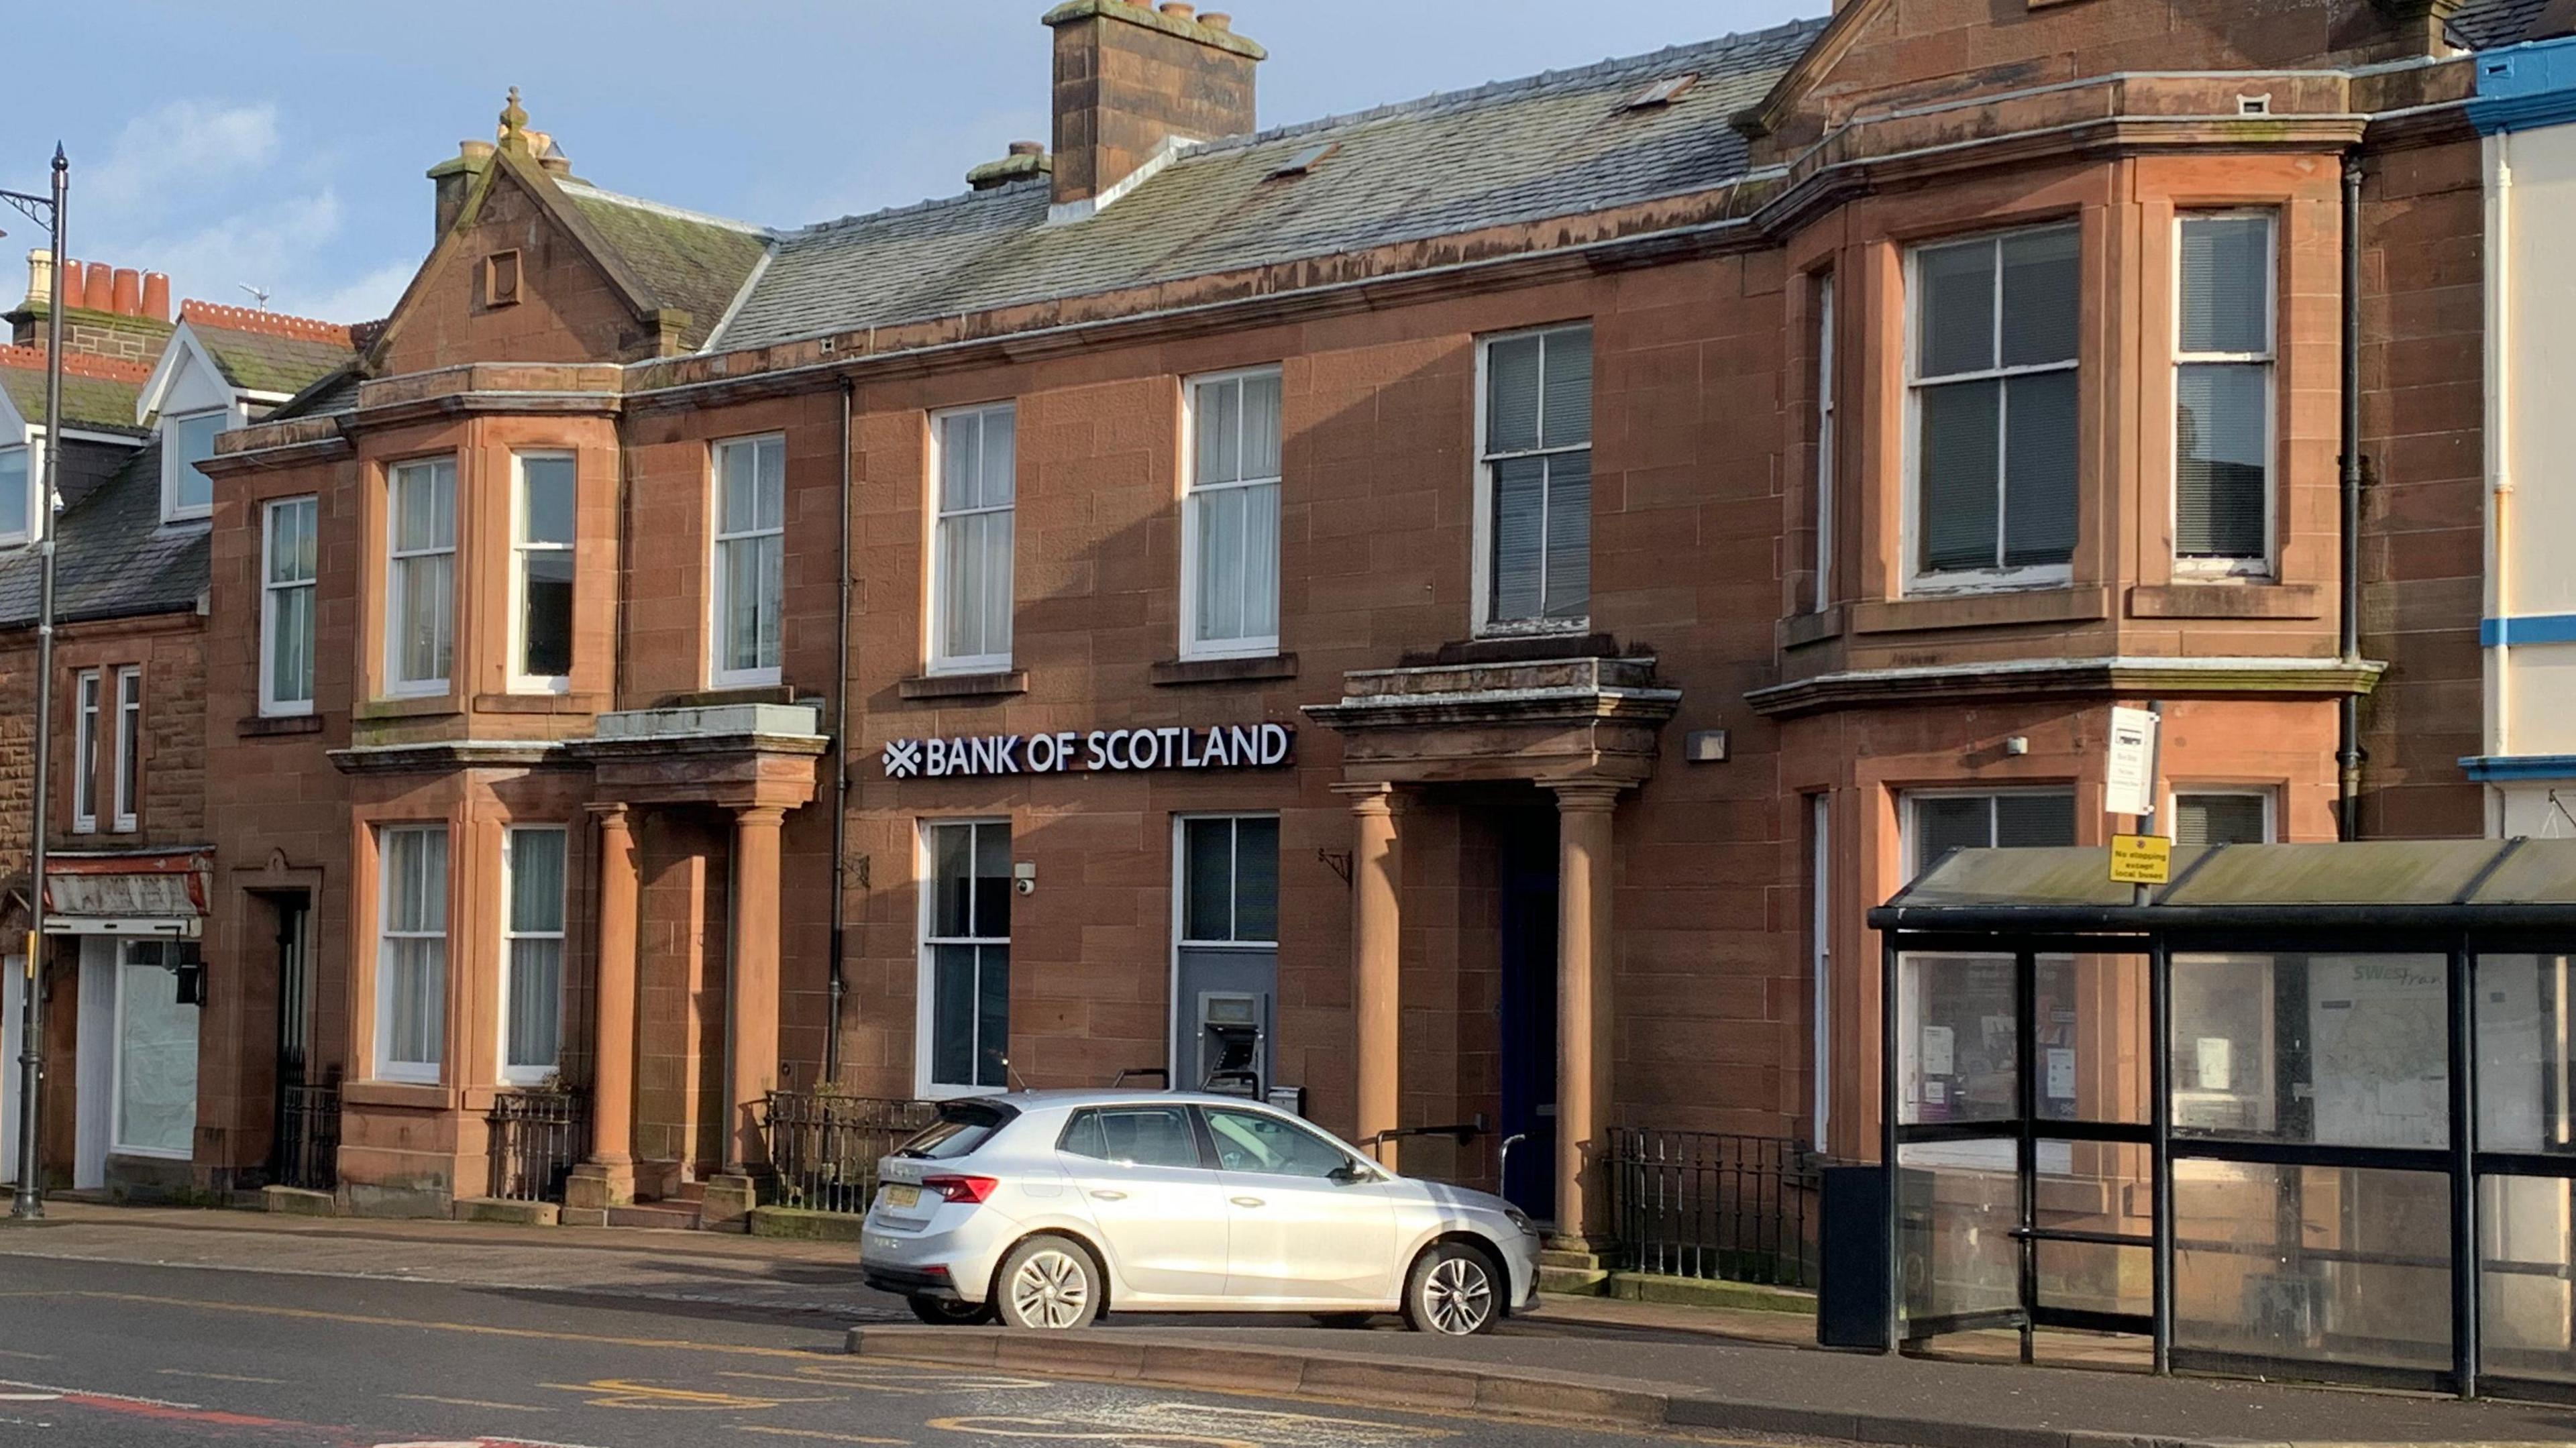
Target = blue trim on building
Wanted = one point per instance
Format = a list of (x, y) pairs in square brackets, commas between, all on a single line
[(2525, 87), (2532, 628), (2498, 768)]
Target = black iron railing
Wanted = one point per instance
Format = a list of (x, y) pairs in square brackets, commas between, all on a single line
[(1714, 1205), (537, 1138), (825, 1148), (308, 1136)]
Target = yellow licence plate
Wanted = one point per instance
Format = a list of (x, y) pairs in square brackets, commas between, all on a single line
[(902, 1198)]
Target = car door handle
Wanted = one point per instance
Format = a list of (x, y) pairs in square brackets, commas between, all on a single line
[(1249, 1202), (1110, 1196)]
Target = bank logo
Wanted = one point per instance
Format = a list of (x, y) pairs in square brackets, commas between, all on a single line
[(902, 758), (1219, 746)]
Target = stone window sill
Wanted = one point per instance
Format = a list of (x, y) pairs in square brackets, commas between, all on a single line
[(967, 686), (427, 706), (268, 726), (1173, 673), (1801, 629), (397, 1093), (1982, 610), (2254, 598), (541, 703)]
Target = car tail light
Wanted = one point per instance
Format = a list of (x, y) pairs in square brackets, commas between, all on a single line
[(960, 1188)]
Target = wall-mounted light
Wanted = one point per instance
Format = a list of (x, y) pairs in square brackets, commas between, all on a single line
[(1705, 746), (2017, 746)]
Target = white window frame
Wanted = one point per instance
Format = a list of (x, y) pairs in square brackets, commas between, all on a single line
[(86, 703), (1999, 579), (125, 771), (396, 615), (1907, 799), (116, 1143), (718, 676), (172, 468), (19, 532), (1826, 405), (1820, 956), (926, 975), (936, 612), (511, 934), (2271, 798), (385, 1068), (1486, 625), (271, 706), (1193, 491), (2268, 359), (520, 548)]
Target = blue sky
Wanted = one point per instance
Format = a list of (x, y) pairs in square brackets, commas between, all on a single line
[(282, 145)]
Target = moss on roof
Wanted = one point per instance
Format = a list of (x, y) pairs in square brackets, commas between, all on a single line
[(260, 362), (694, 263), (93, 404)]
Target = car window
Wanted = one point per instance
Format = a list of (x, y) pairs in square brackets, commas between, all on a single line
[(961, 1128), (1133, 1136), (1250, 1141)]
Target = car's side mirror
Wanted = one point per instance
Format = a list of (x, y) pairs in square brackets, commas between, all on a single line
[(1350, 1173)]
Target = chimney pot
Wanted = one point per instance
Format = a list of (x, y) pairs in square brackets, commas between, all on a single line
[(71, 282), (98, 288), (1217, 20), (1177, 10), (1028, 148), (156, 296), (126, 296), (40, 274)]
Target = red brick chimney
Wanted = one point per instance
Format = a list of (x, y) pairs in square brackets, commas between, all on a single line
[(1130, 77)]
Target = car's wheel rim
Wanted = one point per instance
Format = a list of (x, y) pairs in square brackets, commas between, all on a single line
[(1050, 1290), (1458, 1295)]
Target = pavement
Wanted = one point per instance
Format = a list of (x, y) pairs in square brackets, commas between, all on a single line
[(1592, 1366)]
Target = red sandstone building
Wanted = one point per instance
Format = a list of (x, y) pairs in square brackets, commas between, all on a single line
[(1454, 611)]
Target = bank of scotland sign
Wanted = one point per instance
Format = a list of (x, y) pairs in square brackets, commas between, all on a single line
[(1106, 751)]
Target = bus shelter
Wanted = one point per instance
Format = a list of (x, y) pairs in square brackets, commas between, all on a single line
[(2303, 1112)]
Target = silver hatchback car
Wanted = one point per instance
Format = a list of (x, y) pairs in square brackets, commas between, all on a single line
[(1046, 1208)]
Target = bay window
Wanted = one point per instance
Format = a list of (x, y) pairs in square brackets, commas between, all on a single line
[(2223, 354), (750, 560), (411, 953), (972, 554), (1230, 518), (1992, 396), (532, 868), (1937, 823), (420, 579), (541, 575), (1534, 495)]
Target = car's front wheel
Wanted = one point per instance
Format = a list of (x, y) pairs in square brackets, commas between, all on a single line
[(1048, 1283), (949, 1312), (1453, 1290)]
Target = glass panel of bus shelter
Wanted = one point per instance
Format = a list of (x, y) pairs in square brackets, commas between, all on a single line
[(2525, 1004), (1955, 1226), (2332, 1266), (1956, 1036), (2093, 1036), (2341, 1050), (2097, 1277), (2526, 1307)]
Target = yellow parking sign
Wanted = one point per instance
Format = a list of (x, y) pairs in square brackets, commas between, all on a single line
[(2141, 859)]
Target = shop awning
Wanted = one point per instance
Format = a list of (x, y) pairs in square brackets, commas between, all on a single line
[(154, 894)]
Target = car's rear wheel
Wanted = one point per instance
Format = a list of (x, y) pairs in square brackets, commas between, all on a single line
[(949, 1312), (1453, 1290), (1050, 1284)]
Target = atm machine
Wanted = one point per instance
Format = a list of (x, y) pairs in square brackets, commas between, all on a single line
[(1233, 1055)]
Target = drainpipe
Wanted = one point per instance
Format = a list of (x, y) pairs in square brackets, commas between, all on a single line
[(841, 760), (2348, 742)]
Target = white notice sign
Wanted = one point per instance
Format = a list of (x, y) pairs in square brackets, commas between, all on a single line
[(2129, 785)]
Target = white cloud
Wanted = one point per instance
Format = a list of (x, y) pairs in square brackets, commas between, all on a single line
[(179, 149), (363, 299)]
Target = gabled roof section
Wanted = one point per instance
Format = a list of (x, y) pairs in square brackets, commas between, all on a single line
[(688, 260), (1553, 145), (114, 558), (266, 351), (99, 393)]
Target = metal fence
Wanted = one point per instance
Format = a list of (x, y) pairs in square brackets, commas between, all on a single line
[(308, 1136), (825, 1148), (1714, 1205), (537, 1138)]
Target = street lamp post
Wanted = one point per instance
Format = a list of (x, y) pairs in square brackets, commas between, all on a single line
[(29, 1201)]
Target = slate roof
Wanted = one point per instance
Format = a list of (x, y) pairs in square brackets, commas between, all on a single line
[(2486, 24), (695, 262), (1552, 145), (113, 556), (266, 362), (91, 404)]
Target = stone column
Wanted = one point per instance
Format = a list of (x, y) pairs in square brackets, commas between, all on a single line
[(1583, 1011), (1377, 883), (751, 1002), (607, 1179)]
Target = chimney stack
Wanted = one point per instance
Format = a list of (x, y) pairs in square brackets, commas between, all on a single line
[(453, 179), (1130, 77)]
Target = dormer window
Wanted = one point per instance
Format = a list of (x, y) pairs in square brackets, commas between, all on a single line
[(18, 483), (186, 442)]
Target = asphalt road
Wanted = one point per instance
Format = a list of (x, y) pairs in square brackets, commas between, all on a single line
[(99, 1355)]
